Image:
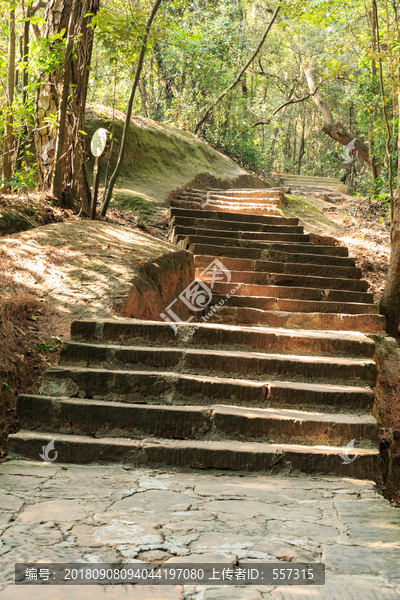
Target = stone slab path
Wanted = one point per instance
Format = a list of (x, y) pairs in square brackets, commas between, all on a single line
[(69, 513), (278, 380)]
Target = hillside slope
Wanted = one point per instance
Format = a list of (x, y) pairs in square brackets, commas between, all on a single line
[(159, 158)]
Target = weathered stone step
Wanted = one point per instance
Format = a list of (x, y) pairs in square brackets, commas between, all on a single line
[(277, 291), (183, 203), (232, 225), (238, 315), (179, 232), (212, 239), (259, 253), (225, 207), (116, 419), (241, 364), (246, 193), (154, 333), (202, 260), (232, 199), (235, 456), (207, 215), (198, 194), (339, 285), (165, 387), (295, 305)]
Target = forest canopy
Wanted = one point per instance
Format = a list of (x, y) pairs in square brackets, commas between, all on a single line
[(270, 121)]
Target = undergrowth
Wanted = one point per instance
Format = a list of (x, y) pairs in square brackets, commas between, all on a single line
[(26, 351)]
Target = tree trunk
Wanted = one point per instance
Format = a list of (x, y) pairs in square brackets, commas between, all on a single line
[(75, 185), (61, 150), (372, 26), (336, 130), (390, 303), (338, 133), (8, 130), (321, 104)]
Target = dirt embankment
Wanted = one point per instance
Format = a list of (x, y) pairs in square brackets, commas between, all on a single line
[(52, 275)]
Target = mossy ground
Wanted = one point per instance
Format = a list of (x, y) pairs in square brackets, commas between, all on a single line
[(310, 214), (156, 160)]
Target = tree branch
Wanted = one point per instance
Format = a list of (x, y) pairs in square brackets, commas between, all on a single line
[(241, 73), (290, 101)]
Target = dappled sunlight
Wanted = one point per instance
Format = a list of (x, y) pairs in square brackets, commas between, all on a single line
[(84, 269)]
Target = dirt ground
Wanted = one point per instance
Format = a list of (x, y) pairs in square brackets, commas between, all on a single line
[(356, 223)]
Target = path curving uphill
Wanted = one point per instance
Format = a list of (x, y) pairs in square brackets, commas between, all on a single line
[(277, 376)]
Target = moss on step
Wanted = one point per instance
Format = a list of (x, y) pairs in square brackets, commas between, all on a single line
[(307, 212)]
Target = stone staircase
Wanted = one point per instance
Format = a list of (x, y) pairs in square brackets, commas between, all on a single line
[(304, 181), (275, 373)]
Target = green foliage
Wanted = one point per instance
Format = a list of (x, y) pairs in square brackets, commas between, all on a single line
[(47, 345), (196, 49)]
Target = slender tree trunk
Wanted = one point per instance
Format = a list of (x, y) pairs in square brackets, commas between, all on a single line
[(302, 143), (139, 66), (390, 302), (387, 125), (8, 146), (372, 27), (25, 58), (169, 94)]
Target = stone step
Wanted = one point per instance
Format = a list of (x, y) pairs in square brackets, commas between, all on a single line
[(283, 304), (211, 239), (167, 387), (183, 203), (236, 456), (277, 291), (204, 255), (237, 315), (281, 341), (240, 199), (207, 215), (239, 202), (261, 253), (214, 224), (329, 284), (246, 193), (247, 364), (201, 195), (179, 233), (270, 425), (252, 209)]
